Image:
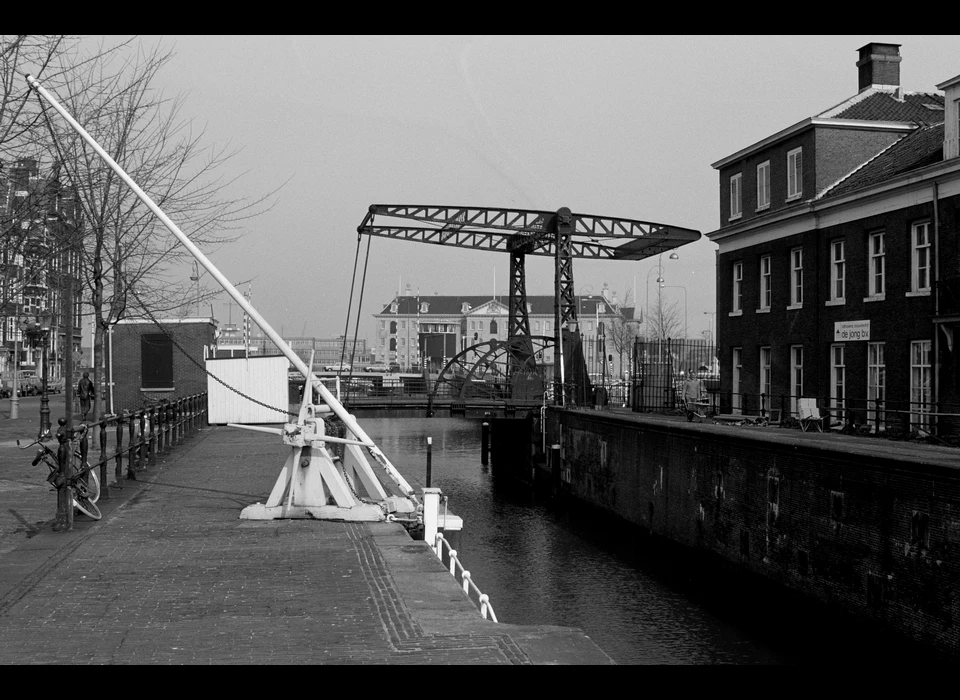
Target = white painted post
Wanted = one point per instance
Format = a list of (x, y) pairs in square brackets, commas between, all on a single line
[(431, 512)]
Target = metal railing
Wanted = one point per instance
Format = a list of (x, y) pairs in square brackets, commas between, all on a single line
[(483, 601), (139, 436)]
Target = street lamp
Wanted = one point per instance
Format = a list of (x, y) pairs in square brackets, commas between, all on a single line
[(195, 277), (45, 318)]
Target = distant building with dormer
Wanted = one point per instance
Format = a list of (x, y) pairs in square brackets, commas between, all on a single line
[(412, 329)]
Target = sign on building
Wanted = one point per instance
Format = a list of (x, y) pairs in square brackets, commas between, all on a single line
[(851, 330)]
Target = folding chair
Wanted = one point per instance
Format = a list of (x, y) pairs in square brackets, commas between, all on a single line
[(809, 414)]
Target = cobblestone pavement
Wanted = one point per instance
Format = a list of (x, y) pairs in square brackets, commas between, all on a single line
[(171, 575)]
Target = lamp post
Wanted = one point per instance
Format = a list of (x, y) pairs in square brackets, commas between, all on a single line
[(195, 277), (711, 314), (658, 269), (44, 319)]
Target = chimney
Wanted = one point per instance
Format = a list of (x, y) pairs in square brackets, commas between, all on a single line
[(879, 66)]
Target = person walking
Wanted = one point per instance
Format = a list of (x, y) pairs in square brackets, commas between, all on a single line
[(85, 394), (692, 393)]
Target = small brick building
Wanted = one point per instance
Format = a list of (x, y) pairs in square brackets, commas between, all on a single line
[(151, 363)]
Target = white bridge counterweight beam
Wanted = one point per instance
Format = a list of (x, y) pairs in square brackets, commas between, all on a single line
[(307, 372)]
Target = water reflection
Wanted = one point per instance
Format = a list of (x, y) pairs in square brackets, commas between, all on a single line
[(541, 566)]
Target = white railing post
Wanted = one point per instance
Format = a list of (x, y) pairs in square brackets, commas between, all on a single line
[(466, 582), (453, 562)]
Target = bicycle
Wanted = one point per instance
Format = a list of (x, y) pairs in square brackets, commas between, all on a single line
[(85, 484)]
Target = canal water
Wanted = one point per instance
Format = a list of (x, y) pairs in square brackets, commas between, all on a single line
[(641, 603), (542, 565)]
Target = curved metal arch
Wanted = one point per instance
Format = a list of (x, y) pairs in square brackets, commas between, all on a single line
[(502, 360)]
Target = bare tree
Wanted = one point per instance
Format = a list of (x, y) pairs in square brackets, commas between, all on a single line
[(623, 331), (30, 236), (130, 262), (664, 320)]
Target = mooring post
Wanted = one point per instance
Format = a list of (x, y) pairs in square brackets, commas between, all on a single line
[(555, 465), (484, 443), (429, 460)]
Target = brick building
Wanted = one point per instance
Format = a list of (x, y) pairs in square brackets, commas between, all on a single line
[(838, 258), (39, 220), (148, 366)]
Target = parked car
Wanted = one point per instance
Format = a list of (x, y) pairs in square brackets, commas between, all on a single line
[(55, 386), (376, 368), (339, 367)]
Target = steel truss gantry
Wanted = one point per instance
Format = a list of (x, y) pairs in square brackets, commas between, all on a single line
[(562, 235)]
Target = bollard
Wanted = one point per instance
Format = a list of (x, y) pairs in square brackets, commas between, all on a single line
[(429, 460), (555, 465), (484, 443)]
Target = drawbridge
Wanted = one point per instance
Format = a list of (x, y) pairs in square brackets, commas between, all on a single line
[(562, 235)]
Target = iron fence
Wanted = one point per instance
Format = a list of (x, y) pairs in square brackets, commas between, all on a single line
[(134, 439)]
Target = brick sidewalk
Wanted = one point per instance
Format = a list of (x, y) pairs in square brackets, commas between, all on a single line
[(171, 575)]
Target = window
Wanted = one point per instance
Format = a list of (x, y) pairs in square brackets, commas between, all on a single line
[(838, 269), (765, 283), (796, 277), (393, 327), (493, 327), (921, 258), (876, 383), (794, 173), (156, 362), (737, 287), (765, 357), (735, 195), (763, 185), (736, 399), (796, 377), (837, 378), (920, 386), (876, 284)]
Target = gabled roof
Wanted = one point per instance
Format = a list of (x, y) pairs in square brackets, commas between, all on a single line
[(915, 150), (871, 105), (882, 105)]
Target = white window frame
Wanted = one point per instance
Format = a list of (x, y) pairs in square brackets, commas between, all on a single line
[(876, 281), (838, 378), (763, 185), (920, 258), (796, 278), (766, 360), (736, 401), (876, 382), (794, 174), (838, 272), (736, 196), (766, 282), (796, 378), (737, 288), (921, 387)]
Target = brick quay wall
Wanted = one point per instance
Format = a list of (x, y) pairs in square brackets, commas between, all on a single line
[(868, 524)]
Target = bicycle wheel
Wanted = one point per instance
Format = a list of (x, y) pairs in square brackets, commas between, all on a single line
[(86, 506), (93, 485)]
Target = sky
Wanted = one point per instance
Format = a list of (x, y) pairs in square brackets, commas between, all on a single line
[(621, 126)]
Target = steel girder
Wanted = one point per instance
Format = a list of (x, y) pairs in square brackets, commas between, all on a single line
[(562, 235)]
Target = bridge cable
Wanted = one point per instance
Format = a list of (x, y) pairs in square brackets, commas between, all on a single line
[(346, 325), (363, 284)]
